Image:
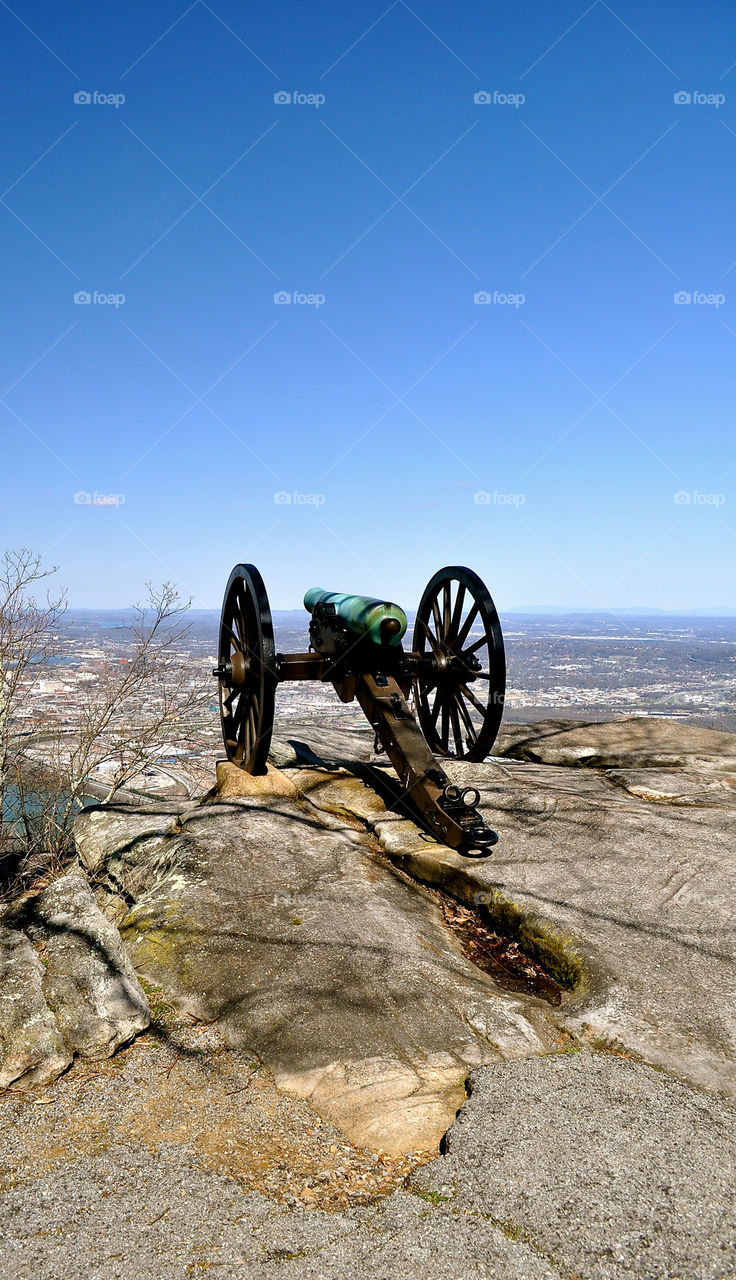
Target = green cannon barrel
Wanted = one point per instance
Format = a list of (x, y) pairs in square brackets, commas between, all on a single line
[(363, 614)]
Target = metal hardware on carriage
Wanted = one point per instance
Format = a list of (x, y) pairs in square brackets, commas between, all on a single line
[(355, 644)]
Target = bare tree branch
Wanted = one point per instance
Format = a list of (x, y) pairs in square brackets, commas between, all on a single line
[(127, 715)]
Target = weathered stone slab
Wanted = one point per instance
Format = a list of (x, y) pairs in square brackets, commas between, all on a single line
[(337, 973), (319, 741), (102, 831), (639, 889), (32, 1051), (645, 887), (273, 916), (639, 742), (678, 786), (89, 981)]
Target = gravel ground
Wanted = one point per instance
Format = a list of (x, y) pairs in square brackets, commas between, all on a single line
[(607, 1166), (180, 1084), (178, 1157), (128, 1214)]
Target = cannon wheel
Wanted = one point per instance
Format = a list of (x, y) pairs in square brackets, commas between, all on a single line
[(246, 670), (460, 678)]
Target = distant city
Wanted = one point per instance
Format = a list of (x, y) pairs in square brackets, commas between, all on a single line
[(586, 666)]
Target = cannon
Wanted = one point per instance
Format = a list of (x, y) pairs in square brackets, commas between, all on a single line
[(443, 697)]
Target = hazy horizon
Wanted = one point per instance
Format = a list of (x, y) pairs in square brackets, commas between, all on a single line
[(628, 611)]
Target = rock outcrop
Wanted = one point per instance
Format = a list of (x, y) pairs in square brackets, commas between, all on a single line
[(303, 914), (309, 916), (89, 981), (67, 985), (31, 1047), (637, 742), (285, 925)]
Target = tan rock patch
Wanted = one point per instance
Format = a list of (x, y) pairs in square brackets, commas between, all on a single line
[(233, 782), (383, 1103)]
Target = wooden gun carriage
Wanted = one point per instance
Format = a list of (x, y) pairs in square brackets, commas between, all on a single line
[(443, 697)]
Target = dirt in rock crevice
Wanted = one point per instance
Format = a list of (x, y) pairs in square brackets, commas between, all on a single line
[(497, 955)]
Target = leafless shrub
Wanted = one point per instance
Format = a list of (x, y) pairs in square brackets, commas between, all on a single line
[(124, 717)]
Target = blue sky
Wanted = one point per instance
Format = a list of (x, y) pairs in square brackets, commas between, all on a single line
[(382, 400)]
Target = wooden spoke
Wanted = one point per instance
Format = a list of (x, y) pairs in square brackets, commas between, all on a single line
[(237, 642), (436, 618), (468, 693), (239, 615), (248, 701), (470, 727), (462, 637), (432, 639), (477, 644), (456, 730), (457, 612), (228, 701)]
